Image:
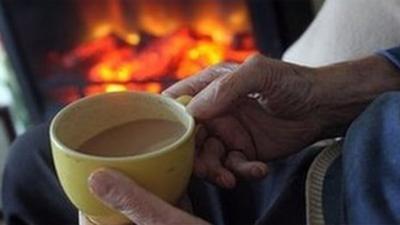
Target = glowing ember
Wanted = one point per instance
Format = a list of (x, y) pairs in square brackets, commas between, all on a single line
[(167, 46), (178, 55), (151, 87)]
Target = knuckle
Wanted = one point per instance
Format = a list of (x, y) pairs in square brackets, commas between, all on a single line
[(220, 69), (191, 86), (256, 58), (224, 67), (225, 84), (228, 67), (125, 203)]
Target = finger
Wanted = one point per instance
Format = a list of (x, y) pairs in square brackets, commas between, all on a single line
[(140, 206), (239, 164), (199, 168), (192, 85), (220, 94), (255, 120), (211, 158), (233, 134), (201, 135)]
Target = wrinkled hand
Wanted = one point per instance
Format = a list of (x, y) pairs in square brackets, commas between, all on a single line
[(140, 206), (260, 110)]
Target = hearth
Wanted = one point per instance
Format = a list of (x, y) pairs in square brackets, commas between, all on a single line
[(67, 49)]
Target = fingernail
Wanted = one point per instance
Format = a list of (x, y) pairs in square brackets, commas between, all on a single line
[(226, 181), (166, 94), (259, 171), (100, 182)]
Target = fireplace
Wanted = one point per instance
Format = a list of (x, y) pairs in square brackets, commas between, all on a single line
[(67, 49)]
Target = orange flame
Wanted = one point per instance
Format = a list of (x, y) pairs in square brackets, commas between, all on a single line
[(112, 87), (165, 41)]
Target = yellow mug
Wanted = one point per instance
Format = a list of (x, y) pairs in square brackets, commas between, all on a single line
[(165, 172)]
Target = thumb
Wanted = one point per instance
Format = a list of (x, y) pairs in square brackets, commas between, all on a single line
[(223, 92), (140, 206)]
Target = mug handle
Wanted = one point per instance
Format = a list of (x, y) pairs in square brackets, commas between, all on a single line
[(184, 99)]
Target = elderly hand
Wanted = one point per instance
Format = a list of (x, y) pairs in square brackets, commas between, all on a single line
[(254, 112), (264, 109), (140, 206)]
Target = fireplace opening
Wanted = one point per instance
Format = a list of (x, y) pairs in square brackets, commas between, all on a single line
[(147, 45), (67, 49)]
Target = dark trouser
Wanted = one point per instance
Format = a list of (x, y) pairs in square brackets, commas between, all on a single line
[(368, 189)]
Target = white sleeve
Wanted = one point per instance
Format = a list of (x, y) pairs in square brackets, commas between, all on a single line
[(347, 29)]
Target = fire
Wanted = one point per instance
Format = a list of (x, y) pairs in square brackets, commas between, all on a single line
[(93, 89), (166, 45), (200, 55), (132, 38)]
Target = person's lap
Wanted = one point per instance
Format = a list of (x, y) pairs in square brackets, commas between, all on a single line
[(361, 185), (32, 195), (371, 164)]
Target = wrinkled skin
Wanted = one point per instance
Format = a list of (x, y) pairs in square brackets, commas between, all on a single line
[(138, 205), (251, 113), (260, 110)]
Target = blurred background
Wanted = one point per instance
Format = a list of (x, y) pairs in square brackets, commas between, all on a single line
[(54, 52)]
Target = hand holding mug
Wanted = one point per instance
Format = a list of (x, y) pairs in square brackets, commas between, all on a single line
[(257, 111), (139, 205), (164, 172)]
